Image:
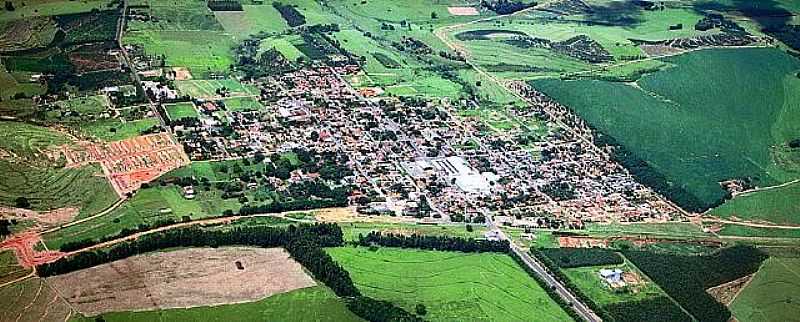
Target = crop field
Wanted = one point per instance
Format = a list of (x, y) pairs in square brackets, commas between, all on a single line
[(147, 207), (165, 280), (254, 19), (708, 129), (286, 45), (36, 8), (309, 304), (778, 205), (771, 294), (9, 268), (115, 130), (181, 110), (451, 285), (32, 300), (206, 89), (745, 231), (418, 12), (45, 184), (26, 33), (177, 15), (203, 52)]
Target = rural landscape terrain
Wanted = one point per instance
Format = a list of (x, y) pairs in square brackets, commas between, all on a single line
[(400, 160)]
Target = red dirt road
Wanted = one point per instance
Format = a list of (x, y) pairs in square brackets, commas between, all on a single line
[(23, 246)]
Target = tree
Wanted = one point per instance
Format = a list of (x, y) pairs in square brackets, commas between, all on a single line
[(22, 202), (434, 15), (420, 309), (9, 6)]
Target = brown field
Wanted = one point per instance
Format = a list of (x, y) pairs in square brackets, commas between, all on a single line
[(462, 11), (349, 215), (181, 278), (32, 300)]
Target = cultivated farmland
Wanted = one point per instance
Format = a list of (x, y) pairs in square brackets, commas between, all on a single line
[(181, 278), (451, 285), (32, 300), (771, 293)]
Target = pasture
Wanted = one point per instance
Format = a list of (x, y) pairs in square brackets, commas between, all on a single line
[(176, 15), (166, 280), (451, 285), (39, 8), (202, 52), (286, 45), (779, 205), (94, 105), (311, 304), (712, 123), (252, 20), (772, 293), (147, 207), (242, 104)]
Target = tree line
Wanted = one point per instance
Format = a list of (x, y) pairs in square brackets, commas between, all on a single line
[(441, 243)]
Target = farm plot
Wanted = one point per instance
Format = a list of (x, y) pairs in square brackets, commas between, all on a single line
[(39, 8), (176, 15), (699, 125), (32, 300), (182, 278), (451, 285), (286, 45), (311, 304), (778, 205), (771, 294), (26, 34), (10, 270)]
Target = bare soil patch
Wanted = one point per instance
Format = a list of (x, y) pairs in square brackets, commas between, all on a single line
[(43, 218), (462, 11), (349, 215), (182, 278), (32, 300), (727, 292)]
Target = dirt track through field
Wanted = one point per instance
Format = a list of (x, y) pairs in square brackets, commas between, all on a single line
[(182, 278)]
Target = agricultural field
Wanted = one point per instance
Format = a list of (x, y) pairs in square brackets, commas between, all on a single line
[(451, 285), (771, 293), (702, 114), (40, 8), (777, 205), (317, 303), (286, 45), (115, 129), (202, 52), (10, 270), (176, 15), (181, 110), (44, 182), (252, 20), (32, 300), (166, 280)]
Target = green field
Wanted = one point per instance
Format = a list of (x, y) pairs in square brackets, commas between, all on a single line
[(286, 45), (309, 304), (115, 130), (37, 8), (772, 294), (147, 206), (242, 104), (207, 88), (713, 124), (43, 182), (778, 205), (746, 231), (181, 110), (85, 105), (352, 230), (254, 19), (203, 52), (452, 286), (176, 15)]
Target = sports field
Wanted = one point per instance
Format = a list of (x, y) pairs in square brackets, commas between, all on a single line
[(208, 88), (451, 285), (181, 110), (309, 304), (772, 294), (713, 123), (242, 104)]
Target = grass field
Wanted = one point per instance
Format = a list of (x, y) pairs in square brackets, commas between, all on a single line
[(772, 294), (85, 105), (146, 207), (309, 304), (254, 19), (36, 8), (207, 88), (203, 52), (181, 110), (9, 268), (708, 128), (45, 183), (177, 15), (242, 104), (778, 205), (286, 45), (352, 230), (452, 286), (114, 129), (745, 231)]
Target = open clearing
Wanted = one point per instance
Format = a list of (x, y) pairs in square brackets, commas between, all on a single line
[(773, 293), (182, 278), (452, 285), (712, 123)]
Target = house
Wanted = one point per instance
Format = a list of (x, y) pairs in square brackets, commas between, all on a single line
[(612, 276)]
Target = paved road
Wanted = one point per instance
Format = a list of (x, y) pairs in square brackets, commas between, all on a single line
[(538, 268)]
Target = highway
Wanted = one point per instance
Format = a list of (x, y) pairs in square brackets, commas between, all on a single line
[(538, 268)]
